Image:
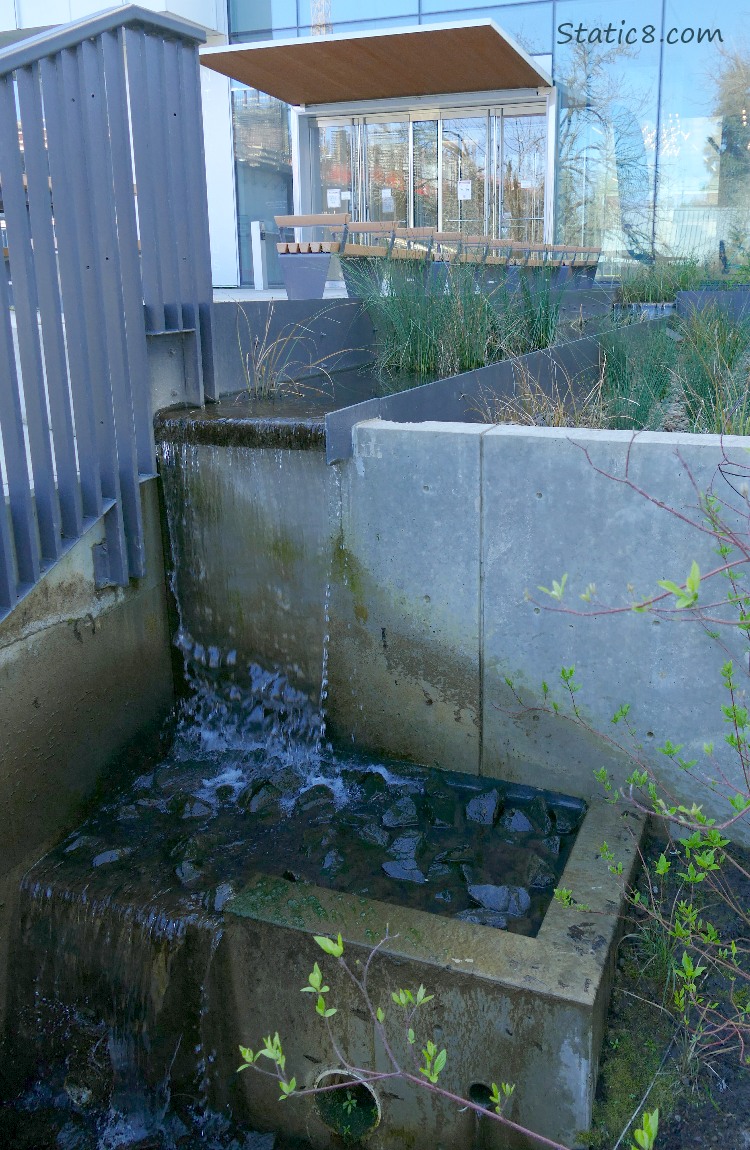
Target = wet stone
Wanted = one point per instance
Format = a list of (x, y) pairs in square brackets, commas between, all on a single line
[(332, 863), (316, 798), (403, 813), (552, 844), (406, 846), (484, 809), (375, 835), (224, 892), (438, 870), (539, 813), (405, 870), (484, 918), (511, 900), (516, 822), (262, 798), (111, 856), (539, 875), (188, 873), (456, 855), (197, 810), (567, 820), (443, 895)]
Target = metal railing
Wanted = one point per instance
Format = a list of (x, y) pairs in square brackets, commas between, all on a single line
[(103, 184)]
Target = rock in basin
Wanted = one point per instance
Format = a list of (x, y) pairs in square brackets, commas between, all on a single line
[(481, 917), (511, 900), (405, 870), (484, 809)]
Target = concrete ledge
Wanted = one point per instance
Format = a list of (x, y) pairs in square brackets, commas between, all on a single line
[(527, 1010)]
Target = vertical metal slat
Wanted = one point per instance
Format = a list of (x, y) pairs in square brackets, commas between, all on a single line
[(40, 213), (174, 115), (14, 447), (25, 300), (106, 253), (79, 161), (127, 242), (68, 256), (167, 195), (146, 188), (197, 205)]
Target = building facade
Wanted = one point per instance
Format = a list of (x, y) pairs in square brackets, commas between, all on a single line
[(640, 145), (646, 150)]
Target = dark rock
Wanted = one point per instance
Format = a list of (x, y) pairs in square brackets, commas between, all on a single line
[(456, 855), (539, 875), (196, 810), (375, 835), (468, 873), (568, 819), (539, 813), (224, 892), (316, 798), (403, 813), (406, 846), (405, 870), (187, 873), (111, 856), (484, 809), (438, 870), (484, 918), (516, 822), (260, 797), (332, 863), (552, 844), (511, 900), (443, 895)]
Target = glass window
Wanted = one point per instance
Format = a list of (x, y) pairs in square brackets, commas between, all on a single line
[(246, 16), (363, 25), (530, 24), (606, 144), (704, 143), (263, 164), (522, 166)]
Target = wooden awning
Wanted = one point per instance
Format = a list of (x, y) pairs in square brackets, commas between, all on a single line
[(429, 60)]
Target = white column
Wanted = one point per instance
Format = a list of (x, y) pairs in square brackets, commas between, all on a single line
[(220, 182)]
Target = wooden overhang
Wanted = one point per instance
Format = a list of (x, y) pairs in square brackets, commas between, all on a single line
[(429, 60)]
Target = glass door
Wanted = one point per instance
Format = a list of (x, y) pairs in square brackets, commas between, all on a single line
[(521, 150), (425, 173), (387, 171), (464, 178), (337, 165)]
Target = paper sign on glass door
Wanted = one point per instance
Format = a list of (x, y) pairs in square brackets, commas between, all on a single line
[(464, 189), (333, 196)]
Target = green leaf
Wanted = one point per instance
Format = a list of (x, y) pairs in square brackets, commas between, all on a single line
[(287, 1088), (558, 589), (662, 865), (380, 1014), (335, 949), (440, 1062), (411, 1036)]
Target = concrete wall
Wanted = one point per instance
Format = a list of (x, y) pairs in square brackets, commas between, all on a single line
[(82, 672), (445, 528)]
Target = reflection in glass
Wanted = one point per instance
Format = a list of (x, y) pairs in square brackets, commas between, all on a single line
[(530, 24), (522, 167), (704, 145), (261, 15), (336, 168), (425, 173), (263, 163), (464, 167), (387, 158), (606, 134)]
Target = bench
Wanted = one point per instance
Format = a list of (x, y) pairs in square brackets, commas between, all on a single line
[(304, 263)]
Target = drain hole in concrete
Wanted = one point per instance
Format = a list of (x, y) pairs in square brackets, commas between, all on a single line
[(348, 1108), (481, 1095)]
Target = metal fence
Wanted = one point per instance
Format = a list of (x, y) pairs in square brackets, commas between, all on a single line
[(103, 185)]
